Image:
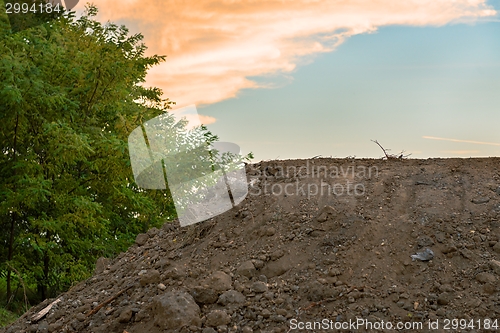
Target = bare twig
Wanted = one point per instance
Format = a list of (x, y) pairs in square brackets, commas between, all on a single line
[(24, 286), (329, 299), (109, 300), (401, 155), (44, 311)]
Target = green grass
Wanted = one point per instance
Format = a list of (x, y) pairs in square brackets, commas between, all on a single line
[(7, 317)]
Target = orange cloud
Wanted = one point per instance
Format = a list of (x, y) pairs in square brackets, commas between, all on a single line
[(214, 46), (464, 141), (460, 152)]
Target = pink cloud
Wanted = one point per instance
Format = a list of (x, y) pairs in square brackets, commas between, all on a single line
[(212, 47)]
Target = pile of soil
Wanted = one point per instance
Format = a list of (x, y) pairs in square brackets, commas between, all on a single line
[(291, 257)]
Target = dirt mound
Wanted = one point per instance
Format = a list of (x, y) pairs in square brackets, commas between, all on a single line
[(322, 241)]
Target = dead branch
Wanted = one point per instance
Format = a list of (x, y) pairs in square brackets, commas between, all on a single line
[(24, 286), (109, 300), (388, 156), (44, 311)]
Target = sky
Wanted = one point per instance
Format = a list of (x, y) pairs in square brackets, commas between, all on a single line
[(301, 78)]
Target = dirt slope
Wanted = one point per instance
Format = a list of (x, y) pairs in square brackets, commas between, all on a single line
[(333, 242)]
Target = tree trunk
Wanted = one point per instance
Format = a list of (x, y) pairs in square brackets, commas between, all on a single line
[(10, 255), (12, 220)]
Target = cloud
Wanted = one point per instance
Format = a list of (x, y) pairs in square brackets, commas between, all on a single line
[(464, 141), (460, 152), (213, 47)]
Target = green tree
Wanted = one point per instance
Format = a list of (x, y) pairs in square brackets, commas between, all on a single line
[(70, 93)]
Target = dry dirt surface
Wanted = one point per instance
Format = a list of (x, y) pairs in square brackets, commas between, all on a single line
[(319, 241)]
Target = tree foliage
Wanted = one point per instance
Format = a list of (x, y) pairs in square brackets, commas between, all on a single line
[(70, 93)]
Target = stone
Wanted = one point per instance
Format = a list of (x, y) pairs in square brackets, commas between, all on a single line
[(175, 273), (43, 327), (208, 330), (219, 281), (246, 269), (258, 263), (231, 297), (217, 318), (277, 254), (101, 264), (449, 249), (444, 298), (175, 309), (125, 315), (276, 268), (259, 287), (496, 247), (55, 327), (204, 295), (495, 266), (489, 288), (151, 276), (141, 239), (317, 292), (485, 277), (480, 200), (425, 241)]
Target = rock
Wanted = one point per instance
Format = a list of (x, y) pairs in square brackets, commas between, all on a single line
[(325, 213), (175, 309), (317, 292), (485, 277), (153, 232), (496, 247), (204, 295), (334, 272), (444, 298), (231, 297), (425, 255), (270, 231), (101, 264), (489, 288), (259, 287), (277, 254), (246, 329), (276, 268), (217, 318), (80, 317), (266, 313), (440, 236), (141, 239), (449, 249), (43, 327), (125, 315), (55, 327), (480, 200), (258, 263), (208, 330), (495, 266), (175, 273), (425, 241), (152, 276), (219, 281), (246, 269)]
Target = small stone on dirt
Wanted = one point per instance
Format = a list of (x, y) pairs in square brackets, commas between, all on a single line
[(217, 318)]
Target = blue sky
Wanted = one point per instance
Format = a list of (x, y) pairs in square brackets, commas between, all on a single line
[(396, 85), (325, 78)]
